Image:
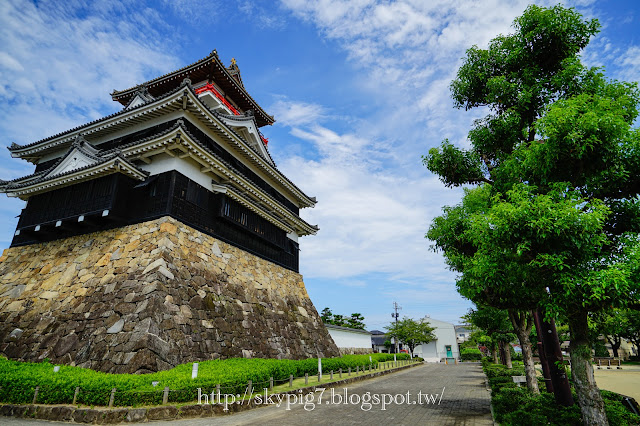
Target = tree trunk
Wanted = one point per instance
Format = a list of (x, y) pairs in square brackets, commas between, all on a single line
[(503, 356), (615, 343), (507, 355), (546, 371), (555, 361), (589, 397), (522, 325), (494, 353)]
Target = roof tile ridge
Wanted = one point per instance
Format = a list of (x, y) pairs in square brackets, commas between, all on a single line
[(145, 139), (213, 53), (122, 111), (79, 169), (275, 167), (233, 169)]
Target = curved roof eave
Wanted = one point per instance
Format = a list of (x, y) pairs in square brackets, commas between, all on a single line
[(59, 140), (123, 96)]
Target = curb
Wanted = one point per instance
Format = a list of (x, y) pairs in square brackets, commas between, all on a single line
[(67, 413)]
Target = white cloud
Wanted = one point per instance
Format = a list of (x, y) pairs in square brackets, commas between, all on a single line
[(372, 218), (63, 60), (297, 113)]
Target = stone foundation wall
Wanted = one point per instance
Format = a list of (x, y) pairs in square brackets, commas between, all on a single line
[(149, 296), (355, 351)]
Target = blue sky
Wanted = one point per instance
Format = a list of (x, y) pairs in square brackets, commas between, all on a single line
[(359, 90)]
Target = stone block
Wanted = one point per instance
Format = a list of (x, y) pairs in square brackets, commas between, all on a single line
[(136, 415), (187, 411), (117, 415), (162, 413), (117, 327)]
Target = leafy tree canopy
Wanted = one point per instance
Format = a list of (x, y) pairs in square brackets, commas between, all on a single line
[(356, 320), (554, 218), (411, 333)]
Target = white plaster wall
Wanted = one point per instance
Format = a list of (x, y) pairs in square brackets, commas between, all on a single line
[(436, 349), (164, 163), (350, 339)]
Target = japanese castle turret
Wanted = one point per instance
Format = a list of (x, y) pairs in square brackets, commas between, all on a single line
[(160, 234)]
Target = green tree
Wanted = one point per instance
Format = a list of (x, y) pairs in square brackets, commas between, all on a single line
[(387, 344), (497, 326), (611, 325), (339, 320), (411, 333), (557, 162), (327, 316), (356, 321), (632, 328), (488, 278)]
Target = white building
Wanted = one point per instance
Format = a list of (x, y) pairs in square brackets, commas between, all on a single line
[(463, 332), (350, 340), (444, 346)]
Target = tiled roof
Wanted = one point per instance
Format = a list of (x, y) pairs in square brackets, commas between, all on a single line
[(16, 147), (231, 75), (100, 158), (186, 84)]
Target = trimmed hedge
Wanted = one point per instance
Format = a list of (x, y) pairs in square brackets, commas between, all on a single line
[(515, 405), (470, 354), (18, 380)]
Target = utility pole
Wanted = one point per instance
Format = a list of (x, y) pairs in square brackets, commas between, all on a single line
[(395, 315)]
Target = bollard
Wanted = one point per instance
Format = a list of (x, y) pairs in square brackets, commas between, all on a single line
[(75, 395), (349, 370), (112, 397), (306, 378), (35, 394), (218, 392), (165, 396), (250, 388), (270, 383), (290, 380), (331, 375), (194, 370), (340, 373), (357, 369)]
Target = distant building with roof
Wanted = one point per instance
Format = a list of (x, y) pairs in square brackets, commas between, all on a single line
[(350, 340), (445, 345), (463, 332)]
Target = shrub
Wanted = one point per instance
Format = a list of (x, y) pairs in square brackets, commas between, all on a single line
[(19, 379), (508, 400), (471, 354), (517, 406)]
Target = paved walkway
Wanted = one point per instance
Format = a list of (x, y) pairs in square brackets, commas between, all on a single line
[(465, 401), (432, 394)]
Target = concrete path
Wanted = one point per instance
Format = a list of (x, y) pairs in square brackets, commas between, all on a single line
[(432, 394), (465, 401)]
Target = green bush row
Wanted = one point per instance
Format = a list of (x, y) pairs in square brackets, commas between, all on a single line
[(470, 354), (18, 380), (513, 405)]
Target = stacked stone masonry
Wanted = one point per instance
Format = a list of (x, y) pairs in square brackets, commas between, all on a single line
[(149, 296)]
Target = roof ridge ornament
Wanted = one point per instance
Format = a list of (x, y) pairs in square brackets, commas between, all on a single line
[(79, 141), (186, 82)]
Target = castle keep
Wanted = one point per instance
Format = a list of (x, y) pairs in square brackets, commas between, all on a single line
[(161, 234)]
